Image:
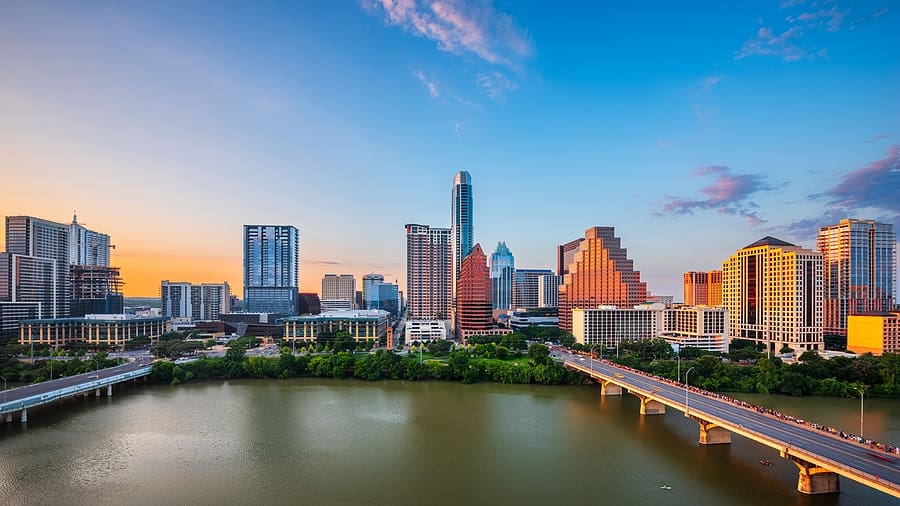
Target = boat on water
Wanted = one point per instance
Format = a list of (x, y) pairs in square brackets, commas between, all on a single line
[(765, 462), (666, 487)]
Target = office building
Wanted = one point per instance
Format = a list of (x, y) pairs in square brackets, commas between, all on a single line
[(192, 302), (525, 287), (519, 320), (874, 332), (503, 264), (339, 287), (360, 324), (96, 289), (772, 290), (461, 231), (328, 305), (37, 265), (703, 327), (429, 272), (548, 290), (565, 255), (388, 299), (600, 274), (10, 315), (370, 290), (608, 325), (310, 303), (87, 247), (424, 330), (703, 288), (110, 330), (859, 267), (271, 268), (473, 294)]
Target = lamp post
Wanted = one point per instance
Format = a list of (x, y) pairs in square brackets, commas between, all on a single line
[(4, 388), (679, 366), (861, 391), (686, 408)]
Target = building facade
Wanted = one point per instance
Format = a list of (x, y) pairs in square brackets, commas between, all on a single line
[(271, 268), (96, 289), (339, 287), (111, 331), (370, 290), (859, 268), (188, 301), (600, 274), (548, 290), (526, 291), (773, 292), (701, 327), (503, 264), (424, 330), (360, 324), (876, 332), (38, 250), (610, 325), (429, 272), (87, 247), (473, 294), (461, 214)]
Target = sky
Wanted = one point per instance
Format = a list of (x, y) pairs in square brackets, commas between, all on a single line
[(692, 128)]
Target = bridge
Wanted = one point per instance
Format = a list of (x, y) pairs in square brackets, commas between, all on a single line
[(820, 455), (18, 400)]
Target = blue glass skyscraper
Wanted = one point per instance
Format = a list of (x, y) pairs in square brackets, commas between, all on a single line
[(461, 231), (503, 265), (271, 269)]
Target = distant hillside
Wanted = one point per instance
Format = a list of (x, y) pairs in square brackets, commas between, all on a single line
[(143, 301)]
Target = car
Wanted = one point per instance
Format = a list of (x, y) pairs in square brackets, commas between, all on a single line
[(94, 376)]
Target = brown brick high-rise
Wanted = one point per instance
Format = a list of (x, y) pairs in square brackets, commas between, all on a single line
[(600, 273), (473, 293)]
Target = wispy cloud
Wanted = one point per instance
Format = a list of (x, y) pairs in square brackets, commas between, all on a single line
[(495, 84), (707, 84), (872, 189), (831, 19), (459, 27), (431, 86), (767, 43), (785, 4), (729, 193)]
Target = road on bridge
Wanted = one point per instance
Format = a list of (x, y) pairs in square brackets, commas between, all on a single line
[(27, 391), (797, 438)]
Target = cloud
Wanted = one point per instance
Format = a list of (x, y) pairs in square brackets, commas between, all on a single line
[(432, 86), (495, 84), (872, 190), (458, 27), (831, 19), (880, 13), (709, 83), (767, 43), (790, 3), (882, 136), (728, 194)]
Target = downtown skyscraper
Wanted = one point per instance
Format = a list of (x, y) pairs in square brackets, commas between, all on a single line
[(429, 272), (859, 269), (271, 269), (461, 230), (503, 265), (35, 267)]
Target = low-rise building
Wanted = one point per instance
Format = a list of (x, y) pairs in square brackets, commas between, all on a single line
[(110, 330), (701, 327), (425, 330), (360, 324), (875, 333), (335, 305), (608, 325)]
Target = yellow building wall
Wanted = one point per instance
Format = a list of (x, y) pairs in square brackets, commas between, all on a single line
[(865, 334)]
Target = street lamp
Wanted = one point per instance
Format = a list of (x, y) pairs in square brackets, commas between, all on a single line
[(686, 408), (861, 391), (4, 388)]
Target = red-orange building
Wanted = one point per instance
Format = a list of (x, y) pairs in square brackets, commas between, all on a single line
[(473, 293), (600, 273), (703, 288)]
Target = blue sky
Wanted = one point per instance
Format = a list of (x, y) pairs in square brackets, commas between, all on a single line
[(693, 129)]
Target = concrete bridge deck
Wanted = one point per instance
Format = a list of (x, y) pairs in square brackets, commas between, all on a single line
[(819, 455), (18, 400)]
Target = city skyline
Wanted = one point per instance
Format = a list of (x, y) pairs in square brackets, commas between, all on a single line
[(771, 121)]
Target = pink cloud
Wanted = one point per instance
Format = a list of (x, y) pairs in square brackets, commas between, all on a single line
[(728, 194)]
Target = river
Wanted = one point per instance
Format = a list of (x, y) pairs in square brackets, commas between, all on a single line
[(324, 442)]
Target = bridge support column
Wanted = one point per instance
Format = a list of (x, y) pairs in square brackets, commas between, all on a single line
[(97, 393), (710, 433), (24, 415), (651, 406), (609, 388), (814, 479), (109, 390), (8, 417)]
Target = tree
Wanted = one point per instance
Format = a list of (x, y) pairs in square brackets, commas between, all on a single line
[(439, 347), (539, 354), (235, 352)]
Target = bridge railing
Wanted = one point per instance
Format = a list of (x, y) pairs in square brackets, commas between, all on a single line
[(44, 398)]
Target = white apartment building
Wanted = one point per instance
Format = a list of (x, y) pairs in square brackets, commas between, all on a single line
[(192, 302), (424, 330), (339, 287)]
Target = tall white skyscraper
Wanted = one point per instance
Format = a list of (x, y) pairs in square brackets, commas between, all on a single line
[(429, 269), (87, 247), (461, 230), (271, 269)]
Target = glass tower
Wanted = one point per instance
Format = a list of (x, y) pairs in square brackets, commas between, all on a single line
[(271, 269), (859, 268), (503, 264), (461, 232)]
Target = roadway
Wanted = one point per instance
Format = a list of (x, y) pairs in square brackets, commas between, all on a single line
[(843, 456), (17, 394)]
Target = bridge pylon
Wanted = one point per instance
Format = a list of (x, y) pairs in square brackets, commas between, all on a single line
[(650, 406), (813, 479), (608, 388), (710, 433)]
